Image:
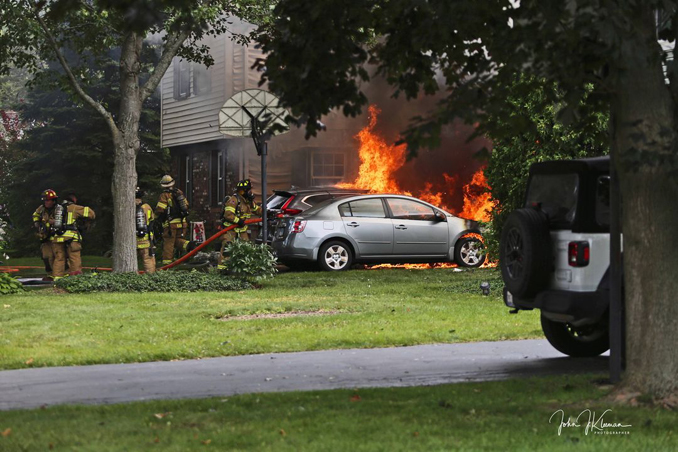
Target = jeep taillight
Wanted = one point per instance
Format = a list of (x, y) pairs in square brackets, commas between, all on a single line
[(299, 226), (578, 254)]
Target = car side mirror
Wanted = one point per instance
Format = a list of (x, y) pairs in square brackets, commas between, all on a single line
[(439, 216)]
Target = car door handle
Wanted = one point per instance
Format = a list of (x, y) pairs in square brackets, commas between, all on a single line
[(401, 226), (353, 224)]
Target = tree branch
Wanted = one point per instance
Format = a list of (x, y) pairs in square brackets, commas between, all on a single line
[(69, 74), (172, 44)]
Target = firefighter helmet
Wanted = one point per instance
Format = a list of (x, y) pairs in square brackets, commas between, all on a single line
[(48, 194), (167, 181), (244, 185)]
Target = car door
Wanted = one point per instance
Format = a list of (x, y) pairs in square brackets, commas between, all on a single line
[(366, 222), (417, 231)]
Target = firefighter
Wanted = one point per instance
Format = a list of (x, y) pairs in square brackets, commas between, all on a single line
[(237, 208), (67, 237), (172, 209), (43, 219), (145, 246)]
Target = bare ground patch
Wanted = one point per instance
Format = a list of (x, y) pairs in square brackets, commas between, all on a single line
[(280, 315)]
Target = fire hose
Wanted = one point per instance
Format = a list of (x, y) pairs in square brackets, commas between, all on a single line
[(189, 255), (184, 258)]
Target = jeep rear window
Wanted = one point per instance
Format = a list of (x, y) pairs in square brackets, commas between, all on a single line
[(557, 196), (603, 201), (276, 201)]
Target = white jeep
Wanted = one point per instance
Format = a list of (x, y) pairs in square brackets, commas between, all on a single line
[(555, 253)]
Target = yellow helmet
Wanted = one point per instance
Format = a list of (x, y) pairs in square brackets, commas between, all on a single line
[(167, 181)]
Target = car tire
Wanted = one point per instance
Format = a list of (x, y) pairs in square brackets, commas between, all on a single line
[(525, 253), (466, 252), (335, 256), (591, 340)]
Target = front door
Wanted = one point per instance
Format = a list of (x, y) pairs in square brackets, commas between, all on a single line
[(417, 231), (367, 223)]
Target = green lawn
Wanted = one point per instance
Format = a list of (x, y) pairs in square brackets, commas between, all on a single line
[(494, 416), (365, 308)]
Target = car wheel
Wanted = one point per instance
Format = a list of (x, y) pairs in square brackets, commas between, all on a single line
[(589, 340), (335, 256), (525, 253), (469, 252)]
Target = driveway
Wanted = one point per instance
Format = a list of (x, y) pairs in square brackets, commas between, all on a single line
[(332, 369)]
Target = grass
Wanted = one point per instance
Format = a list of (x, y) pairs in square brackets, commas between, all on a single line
[(374, 308), (509, 415)]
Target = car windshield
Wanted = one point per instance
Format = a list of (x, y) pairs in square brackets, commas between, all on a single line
[(557, 196)]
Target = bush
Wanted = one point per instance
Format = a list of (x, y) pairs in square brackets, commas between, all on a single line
[(9, 285), (250, 260), (162, 281), (534, 108)]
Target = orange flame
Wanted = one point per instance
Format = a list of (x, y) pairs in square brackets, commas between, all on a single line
[(380, 161), (477, 198)]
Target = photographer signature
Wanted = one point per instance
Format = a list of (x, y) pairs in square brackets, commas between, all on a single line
[(593, 424)]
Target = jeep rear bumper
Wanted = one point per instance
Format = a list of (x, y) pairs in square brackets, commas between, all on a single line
[(578, 305)]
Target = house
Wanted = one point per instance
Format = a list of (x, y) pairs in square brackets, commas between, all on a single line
[(207, 165)]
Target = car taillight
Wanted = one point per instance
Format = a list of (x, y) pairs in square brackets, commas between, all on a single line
[(291, 212), (299, 226), (578, 254), (285, 207)]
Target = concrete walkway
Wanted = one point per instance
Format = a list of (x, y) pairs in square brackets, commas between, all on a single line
[(405, 366)]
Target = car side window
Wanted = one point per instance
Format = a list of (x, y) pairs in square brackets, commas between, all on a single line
[(405, 209), (367, 208), (345, 210)]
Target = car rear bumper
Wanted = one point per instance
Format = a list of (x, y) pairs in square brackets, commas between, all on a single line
[(578, 305), (291, 248)]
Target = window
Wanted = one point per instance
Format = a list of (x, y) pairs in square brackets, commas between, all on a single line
[(188, 178), (603, 201), (315, 200), (327, 168), (202, 79), (365, 208), (182, 79), (218, 186), (557, 195), (405, 209)]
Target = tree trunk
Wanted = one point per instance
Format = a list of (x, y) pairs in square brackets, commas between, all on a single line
[(126, 148), (643, 108)]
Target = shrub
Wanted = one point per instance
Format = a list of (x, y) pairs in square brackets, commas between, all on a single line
[(9, 285), (250, 260), (162, 281)]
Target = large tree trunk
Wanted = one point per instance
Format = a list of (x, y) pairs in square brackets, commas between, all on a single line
[(126, 148), (644, 122)]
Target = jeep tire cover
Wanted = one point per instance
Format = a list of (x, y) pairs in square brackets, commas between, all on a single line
[(525, 253)]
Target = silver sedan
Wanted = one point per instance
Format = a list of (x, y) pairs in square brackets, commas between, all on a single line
[(374, 229)]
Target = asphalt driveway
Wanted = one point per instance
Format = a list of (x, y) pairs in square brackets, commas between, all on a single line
[(331, 369)]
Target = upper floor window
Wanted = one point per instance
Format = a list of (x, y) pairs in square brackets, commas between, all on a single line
[(202, 79), (182, 79)]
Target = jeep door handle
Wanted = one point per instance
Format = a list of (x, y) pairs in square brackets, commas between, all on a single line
[(401, 226), (353, 224)]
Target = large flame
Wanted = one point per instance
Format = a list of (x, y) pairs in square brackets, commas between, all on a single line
[(379, 162)]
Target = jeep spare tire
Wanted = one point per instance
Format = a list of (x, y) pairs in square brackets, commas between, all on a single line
[(525, 253)]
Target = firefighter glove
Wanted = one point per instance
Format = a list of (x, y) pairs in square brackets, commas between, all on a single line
[(241, 222)]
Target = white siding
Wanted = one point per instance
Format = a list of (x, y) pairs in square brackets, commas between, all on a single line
[(195, 119)]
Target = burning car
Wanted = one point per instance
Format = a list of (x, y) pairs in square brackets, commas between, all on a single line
[(377, 229)]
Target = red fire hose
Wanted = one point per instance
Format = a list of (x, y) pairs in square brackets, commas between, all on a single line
[(205, 243)]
